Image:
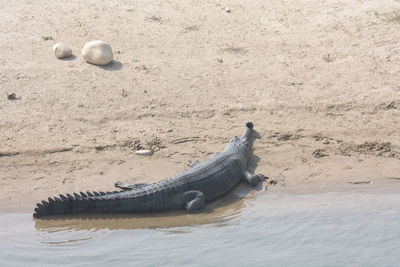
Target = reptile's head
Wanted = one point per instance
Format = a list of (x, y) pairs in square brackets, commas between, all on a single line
[(241, 145)]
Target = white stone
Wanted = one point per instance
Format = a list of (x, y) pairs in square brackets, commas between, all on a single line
[(144, 152), (97, 52), (62, 50)]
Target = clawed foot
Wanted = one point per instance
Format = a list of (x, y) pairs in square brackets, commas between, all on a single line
[(259, 178)]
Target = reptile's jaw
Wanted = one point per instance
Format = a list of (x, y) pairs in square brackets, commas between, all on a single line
[(249, 130)]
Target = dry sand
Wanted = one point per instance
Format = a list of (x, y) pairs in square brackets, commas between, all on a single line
[(319, 79)]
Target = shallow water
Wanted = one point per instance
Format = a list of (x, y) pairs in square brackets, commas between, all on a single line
[(351, 228)]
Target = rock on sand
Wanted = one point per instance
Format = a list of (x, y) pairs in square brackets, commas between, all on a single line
[(62, 50), (97, 52), (144, 152)]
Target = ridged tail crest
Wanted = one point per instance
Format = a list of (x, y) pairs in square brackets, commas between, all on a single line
[(71, 204)]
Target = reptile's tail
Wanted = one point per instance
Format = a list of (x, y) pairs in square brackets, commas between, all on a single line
[(78, 203)]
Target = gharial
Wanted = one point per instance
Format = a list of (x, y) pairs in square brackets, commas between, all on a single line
[(201, 183)]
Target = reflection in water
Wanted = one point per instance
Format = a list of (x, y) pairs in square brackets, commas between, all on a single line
[(216, 212)]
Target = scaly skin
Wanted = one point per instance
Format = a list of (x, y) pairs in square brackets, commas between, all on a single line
[(203, 182)]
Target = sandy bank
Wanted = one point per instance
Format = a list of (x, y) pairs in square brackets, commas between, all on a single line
[(318, 79)]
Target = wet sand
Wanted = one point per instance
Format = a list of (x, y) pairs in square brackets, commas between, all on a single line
[(318, 80)]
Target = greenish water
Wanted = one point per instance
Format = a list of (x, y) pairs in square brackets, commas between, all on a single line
[(350, 228)]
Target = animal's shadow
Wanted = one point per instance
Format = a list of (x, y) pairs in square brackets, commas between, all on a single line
[(216, 212), (253, 159)]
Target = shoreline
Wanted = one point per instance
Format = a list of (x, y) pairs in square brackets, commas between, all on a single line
[(381, 186)]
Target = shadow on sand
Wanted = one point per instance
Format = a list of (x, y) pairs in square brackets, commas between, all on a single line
[(73, 57), (113, 66)]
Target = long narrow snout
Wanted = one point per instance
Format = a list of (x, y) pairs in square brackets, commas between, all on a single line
[(248, 131)]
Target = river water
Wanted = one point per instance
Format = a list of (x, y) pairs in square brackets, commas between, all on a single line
[(358, 226)]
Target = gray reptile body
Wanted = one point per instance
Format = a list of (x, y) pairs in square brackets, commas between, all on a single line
[(201, 183)]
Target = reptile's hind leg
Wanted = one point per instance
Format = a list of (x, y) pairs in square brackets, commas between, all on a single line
[(195, 200), (129, 186), (253, 179)]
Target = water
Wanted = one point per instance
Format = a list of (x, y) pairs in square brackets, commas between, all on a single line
[(350, 228)]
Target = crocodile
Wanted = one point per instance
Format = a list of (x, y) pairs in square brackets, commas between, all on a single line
[(190, 190)]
